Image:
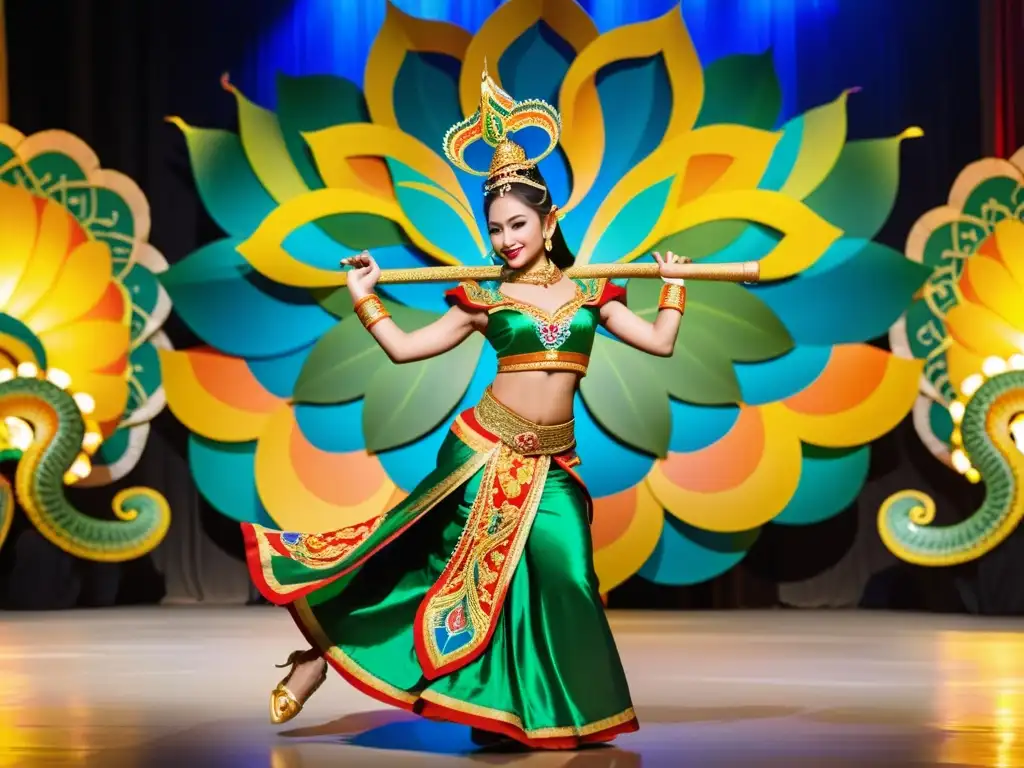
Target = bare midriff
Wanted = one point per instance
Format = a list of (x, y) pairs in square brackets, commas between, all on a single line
[(543, 397)]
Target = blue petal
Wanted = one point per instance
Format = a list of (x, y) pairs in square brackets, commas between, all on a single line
[(608, 466), (332, 428), (426, 296), (278, 374), (632, 224), (773, 380), (232, 307), (856, 300), (830, 481), (406, 466), (225, 475), (687, 555), (310, 245), (636, 113), (695, 427), (753, 244)]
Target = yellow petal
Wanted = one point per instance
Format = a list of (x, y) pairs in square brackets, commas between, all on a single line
[(1009, 235), (982, 331), (740, 482), (740, 155), (402, 34), (994, 287), (264, 250), (961, 363), (81, 284), (215, 396), (582, 121), (626, 530), (109, 391), (503, 27), (265, 148), (822, 138), (806, 236), (334, 148), (86, 346), (355, 484), (20, 222)]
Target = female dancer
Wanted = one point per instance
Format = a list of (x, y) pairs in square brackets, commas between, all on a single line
[(475, 599)]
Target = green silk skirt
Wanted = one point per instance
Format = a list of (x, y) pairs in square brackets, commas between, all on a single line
[(473, 601)]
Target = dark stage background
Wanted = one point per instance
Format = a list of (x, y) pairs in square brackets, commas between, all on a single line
[(111, 71)]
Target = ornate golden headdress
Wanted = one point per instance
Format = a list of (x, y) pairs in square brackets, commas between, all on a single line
[(498, 116)]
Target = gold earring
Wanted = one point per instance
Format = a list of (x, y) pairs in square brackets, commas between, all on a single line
[(547, 244)]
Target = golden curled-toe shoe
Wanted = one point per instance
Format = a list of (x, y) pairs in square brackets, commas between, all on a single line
[(285, 705)]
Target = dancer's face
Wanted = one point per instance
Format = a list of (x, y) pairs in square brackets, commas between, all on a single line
[(517, 231)]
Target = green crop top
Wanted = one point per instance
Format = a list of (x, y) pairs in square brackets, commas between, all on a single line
[(526, 338)]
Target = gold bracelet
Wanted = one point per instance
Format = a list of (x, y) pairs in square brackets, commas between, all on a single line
[(370, 310), (673, 297)]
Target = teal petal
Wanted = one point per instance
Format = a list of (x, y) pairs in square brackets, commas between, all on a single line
[(632, 224), (426, 296), (278, 374), (856, 300), (230, 306), (225, 475), (334, 428), (307, 104), (687, 555), (113, 448), (695, 427), (634, 101), (830, 481), (941, 422), (229, 189), (608, 467), (405, 465), (752, 244), (785, 155), (773, 380)]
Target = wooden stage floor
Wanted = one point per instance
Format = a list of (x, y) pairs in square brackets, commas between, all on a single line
[(188, 686)]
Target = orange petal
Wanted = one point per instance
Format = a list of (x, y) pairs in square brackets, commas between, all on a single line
[(113, 305), (87, 345), (740, 482), (987, 281), (81, 284), (110, 392), (863, 393), (296, 506), (583, 125), (400, 35), (503, 27), (626, 530), (214, 395)]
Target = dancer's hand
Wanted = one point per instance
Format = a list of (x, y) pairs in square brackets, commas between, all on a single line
[(362, 276), (671, 258)]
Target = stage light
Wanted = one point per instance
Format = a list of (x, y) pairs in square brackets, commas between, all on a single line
[(6, 374), (993, 366), (85, 402), (19, 433), (28, 370), (1017, 431), (972, 384), (957, 410), (91, 441), (59, 378), (1017, 362), (960, 461)]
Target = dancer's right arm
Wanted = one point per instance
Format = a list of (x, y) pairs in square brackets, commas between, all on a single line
[(446, 333)]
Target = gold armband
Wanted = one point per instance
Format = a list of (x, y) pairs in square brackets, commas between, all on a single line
[(673, 297), (370, 310)]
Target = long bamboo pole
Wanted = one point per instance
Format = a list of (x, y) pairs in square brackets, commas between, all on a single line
[(735, 272)]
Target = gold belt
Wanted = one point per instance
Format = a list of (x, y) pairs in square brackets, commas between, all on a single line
[(523, 435), (551, 360)]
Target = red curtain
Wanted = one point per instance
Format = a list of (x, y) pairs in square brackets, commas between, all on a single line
[(1002, 46)]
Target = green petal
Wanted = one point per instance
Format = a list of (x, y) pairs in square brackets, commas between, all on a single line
[(741, 89), (340, 366), (405, 402), (145, 385), (337, 301), (699, 371), (150, 303), (624, 393), (703, 240)]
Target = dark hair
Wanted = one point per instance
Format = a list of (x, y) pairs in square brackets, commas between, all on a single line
[(540, 201)]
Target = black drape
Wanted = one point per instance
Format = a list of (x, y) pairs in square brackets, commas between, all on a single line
[(111, 71)]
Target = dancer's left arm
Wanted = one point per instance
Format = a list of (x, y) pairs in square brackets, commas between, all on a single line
[(657, 338)]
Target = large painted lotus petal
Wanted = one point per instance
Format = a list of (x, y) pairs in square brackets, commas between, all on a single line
[(279, 373), (687, 555), (225, 474), (808, 150), (695, 427), (840, 299), (805, 235), (309, 490), (863, 393), (625, 531), (609, 466), (619, 115), (225, 180), (333, 428), (227, 304), (37, 238), (1009, 240), (216, 396), (265, 250), (90, 345), (741, 90), (82, 283), (738, 483), (830, 480), (858, 195), (988, 282), (773, 380), (642, 208)]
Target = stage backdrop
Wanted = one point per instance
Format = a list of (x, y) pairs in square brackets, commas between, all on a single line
[(778, 380)]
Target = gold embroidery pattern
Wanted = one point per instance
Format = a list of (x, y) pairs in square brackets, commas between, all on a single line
[(459, 611), (549, 360), (324, 550), (521, 434)]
